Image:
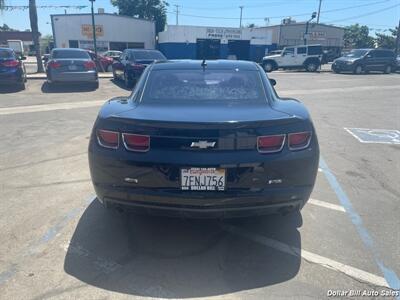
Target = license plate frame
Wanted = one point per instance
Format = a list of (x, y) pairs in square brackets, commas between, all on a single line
[(72, 68), (204, 179)]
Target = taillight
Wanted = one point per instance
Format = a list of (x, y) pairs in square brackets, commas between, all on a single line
[(136, 142), (270, 143), (89, 65), (108, 139), (138, 66), (53, 64), (11, 63), (299, 140)]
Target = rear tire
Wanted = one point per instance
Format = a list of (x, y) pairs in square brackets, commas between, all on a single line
[(388, 69), (358, 69), (96, 85), (268, 67), (312, 66)]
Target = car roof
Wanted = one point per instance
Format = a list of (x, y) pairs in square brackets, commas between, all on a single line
[(68, 49), (141, 50), (219, 64), (8, 49)]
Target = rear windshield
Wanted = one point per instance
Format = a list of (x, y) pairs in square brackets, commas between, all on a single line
[(6, 54), (70, 54), (210, 85), (152, 55)]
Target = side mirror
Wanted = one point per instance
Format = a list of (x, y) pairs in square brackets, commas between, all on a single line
[(22, 57), (272, 81), (368, 56)]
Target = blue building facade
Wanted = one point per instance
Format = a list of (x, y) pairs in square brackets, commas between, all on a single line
[(198, 42)]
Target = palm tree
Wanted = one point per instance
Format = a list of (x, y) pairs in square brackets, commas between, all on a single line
[(35, 33)]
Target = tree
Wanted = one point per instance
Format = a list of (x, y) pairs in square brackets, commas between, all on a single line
[(5, 27), (387, 41), (155, 10), (356, 36), (35, 34)]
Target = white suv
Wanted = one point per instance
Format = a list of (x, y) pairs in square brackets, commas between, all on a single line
[(297, 57)]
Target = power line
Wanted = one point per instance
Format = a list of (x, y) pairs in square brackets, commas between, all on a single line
[(365, 15), (283, 16)]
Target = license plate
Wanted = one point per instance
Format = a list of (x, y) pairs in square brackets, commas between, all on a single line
[(203, 179), (72, 68)]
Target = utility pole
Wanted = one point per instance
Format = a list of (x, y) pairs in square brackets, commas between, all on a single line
[(177, 13), (314, 14), (398, 39), (94, 29), (241, 10), (319, 10)]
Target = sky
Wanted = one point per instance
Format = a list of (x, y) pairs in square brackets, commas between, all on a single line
[(379, 15)]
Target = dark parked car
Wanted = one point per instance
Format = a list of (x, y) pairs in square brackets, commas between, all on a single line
[(204, 139), (12, 70), (132, 62), (364, 60), (71, 65)]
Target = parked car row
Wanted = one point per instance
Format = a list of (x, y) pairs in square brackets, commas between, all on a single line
[(311, 57), (72, 65)]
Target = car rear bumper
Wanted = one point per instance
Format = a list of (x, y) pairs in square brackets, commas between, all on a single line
[(250, 189), (342, 67), (15, 76), (207, 205), (89, 76)]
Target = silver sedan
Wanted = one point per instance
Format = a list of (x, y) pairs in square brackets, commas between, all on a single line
[(71, 65)]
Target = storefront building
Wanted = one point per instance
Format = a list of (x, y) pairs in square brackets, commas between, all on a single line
[(113, 32), (202, 42)]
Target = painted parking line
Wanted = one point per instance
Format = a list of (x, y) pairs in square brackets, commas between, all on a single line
[(391, 277), (48, 107), (375, 136), (326, 205), (357, 274)]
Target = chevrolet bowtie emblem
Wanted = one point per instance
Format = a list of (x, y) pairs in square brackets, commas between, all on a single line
[(202, 144)]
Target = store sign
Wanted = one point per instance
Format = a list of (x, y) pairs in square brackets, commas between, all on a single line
[(224, 33), (314, 35), (87, 30)]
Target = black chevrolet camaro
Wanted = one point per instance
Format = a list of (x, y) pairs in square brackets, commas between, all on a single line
[(204, 139)]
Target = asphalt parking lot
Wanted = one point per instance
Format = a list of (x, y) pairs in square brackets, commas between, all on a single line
[(58, 242)]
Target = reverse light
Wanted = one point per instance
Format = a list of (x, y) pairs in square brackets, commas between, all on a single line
[(11, 63), (108, 139), (299, 140), (136, 142), (270, 143), (53, 64), (89, 65)]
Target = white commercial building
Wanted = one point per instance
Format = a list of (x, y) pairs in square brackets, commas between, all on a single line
[(113, 32)]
